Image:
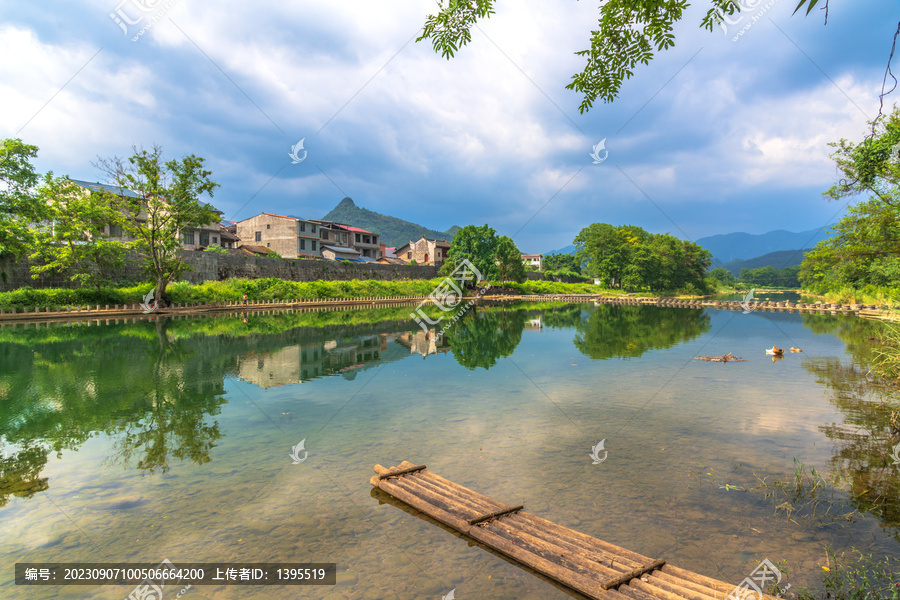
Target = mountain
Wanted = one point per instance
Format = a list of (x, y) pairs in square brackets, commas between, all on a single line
[(393, 232), (734, 246), (570, 249), (779, 260)]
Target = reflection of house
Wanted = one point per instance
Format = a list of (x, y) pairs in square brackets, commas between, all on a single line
[(192, 238), (285, 366), (423, 343), (291, 237), (533, 260), (534, 323), (424, 251)]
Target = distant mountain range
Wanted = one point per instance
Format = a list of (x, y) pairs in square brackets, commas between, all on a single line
[(779, 260), (733, 246), (393, 232), (736, 251)]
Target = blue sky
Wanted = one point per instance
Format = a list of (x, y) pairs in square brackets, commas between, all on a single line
[(714, 136)]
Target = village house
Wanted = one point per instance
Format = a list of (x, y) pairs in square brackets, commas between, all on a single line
[(534, 260), (192, 238), (289, 236), (424, 251)]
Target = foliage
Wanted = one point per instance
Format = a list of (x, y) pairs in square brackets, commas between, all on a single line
[(478, 245), (866, 248), (19, 205), (615, 331), (391, 231), (771, 277), (479, 338), (551, 287), (860, 577), (722, 276), (628, 257), (561, 262), (629, 33), (887, 356), (167, 202), (216, 250), (509, 260), (74, 240)]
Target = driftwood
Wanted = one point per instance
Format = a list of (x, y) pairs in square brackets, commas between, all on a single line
[(725, 358), (595, 568)]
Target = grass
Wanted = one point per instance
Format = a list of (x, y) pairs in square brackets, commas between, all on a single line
[(257, 289)]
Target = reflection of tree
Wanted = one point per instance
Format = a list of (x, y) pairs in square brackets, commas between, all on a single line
[(616, 331), (478, 339), (864, 441), (20, 474)]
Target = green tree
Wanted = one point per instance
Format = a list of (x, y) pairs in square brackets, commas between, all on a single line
[(478, 245), (603, 250), (866, 247), (562, 262), (629, 33), (19, 205), (723, 276), (165, 202), (73, 240), (509, 261)]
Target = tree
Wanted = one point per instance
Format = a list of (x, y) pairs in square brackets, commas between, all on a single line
[(165, 201), (74, 240), (629, 33), (866, 249), (722, 275), (19, 205), (478, 245), (627, 256), (562, 262), (509, 261)]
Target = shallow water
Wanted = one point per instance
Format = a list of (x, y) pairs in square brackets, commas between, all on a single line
[(155, 440)]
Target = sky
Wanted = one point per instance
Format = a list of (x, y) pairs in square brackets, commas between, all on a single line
[(715, 135)]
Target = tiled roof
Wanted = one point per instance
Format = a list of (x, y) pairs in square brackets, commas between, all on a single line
[(101, 187), (340, 249)]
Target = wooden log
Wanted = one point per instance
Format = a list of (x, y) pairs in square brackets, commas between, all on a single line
[(626, 577), (392, 473), (571, 543), (686, 589), (558, 548), (495, 514), (594, 542), (584, 585)]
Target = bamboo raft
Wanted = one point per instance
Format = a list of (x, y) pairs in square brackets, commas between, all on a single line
[(590, 566)]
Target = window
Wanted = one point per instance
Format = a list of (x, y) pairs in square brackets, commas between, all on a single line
[(302, 226), (259, 236), (357, 238), (366, 240), (115, 231), (268, 226), (312, 245), (215, 240), (408, 255), (188, 238), (324, 235), (313, 229), (268, 245), (302, 244), (204, 238)]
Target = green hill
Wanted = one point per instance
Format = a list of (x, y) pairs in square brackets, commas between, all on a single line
[(394, 232), (779, 260)]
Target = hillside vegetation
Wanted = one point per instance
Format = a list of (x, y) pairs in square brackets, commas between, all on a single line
[(394, 232)]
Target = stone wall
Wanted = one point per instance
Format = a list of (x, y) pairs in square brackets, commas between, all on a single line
[(208, 266)]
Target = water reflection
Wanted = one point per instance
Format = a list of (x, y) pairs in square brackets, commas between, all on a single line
[(618, 331)]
